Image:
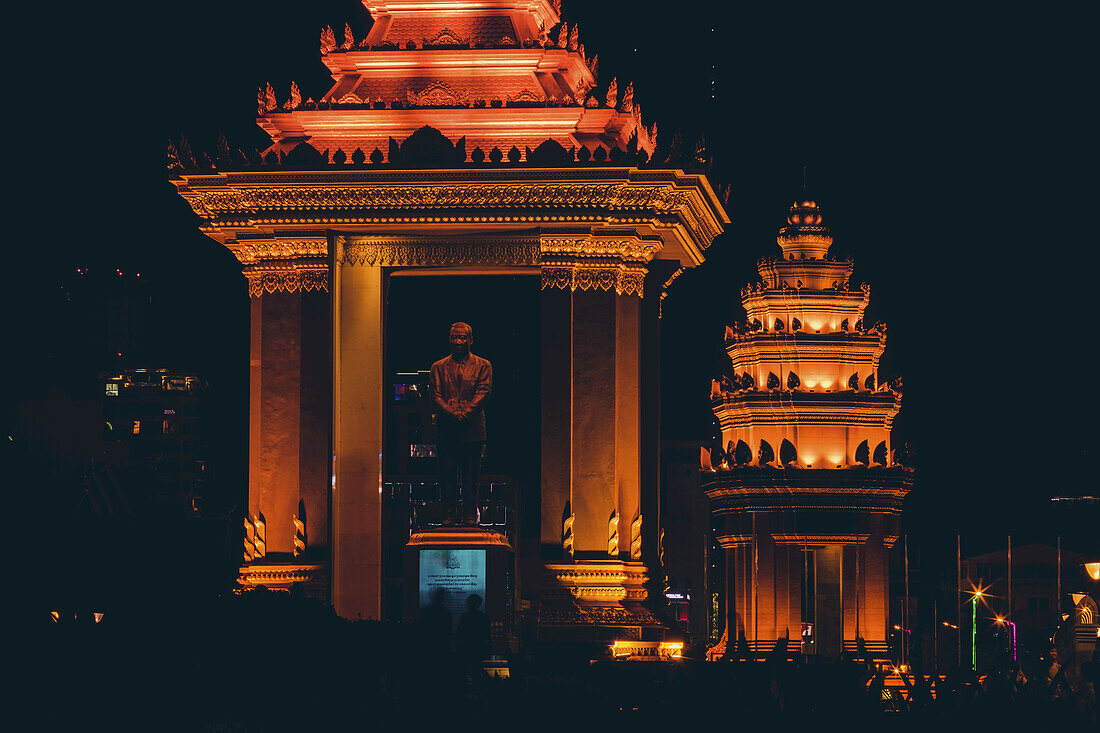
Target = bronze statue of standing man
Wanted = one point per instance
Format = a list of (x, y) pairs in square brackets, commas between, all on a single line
[(460, 384)]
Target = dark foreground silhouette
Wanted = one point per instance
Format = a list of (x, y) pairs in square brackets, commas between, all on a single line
[(268, 661)]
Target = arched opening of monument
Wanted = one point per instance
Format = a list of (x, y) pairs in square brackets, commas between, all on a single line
[(503, 311)]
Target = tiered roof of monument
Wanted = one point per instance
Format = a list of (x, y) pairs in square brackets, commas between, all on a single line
[(499, 73)]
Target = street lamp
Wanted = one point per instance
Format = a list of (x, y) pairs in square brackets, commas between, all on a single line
[(974, 628), (904, 641), (1012, 626)]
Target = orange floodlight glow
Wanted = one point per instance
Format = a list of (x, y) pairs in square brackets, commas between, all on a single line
[(1093, 569)]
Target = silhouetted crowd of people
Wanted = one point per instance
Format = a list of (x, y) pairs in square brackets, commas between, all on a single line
[(277, 661)]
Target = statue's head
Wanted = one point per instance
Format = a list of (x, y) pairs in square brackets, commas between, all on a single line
[(462, 337)]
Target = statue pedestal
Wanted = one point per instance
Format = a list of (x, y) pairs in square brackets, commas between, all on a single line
[(463, 561)]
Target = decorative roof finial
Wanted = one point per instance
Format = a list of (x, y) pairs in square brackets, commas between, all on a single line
[(270, 103), (328, 40), (613, 93), (594, 65), (261, 107), (628, 97), (295, 97), (573, 36), (563, 35), (349, 39)]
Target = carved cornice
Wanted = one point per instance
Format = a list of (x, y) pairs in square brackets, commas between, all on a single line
[(622, 278), (250, 252), (622, 196), (601, 582), (294, 280), (423, 252), (632, 249)]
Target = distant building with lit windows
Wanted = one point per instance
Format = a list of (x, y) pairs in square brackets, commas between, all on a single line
[(152, 439)]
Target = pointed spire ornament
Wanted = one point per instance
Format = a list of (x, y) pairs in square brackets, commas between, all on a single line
[(628, 97), (701, 151), (349, 39), (270, 103), (173, 159), (187, 160), (563, 35), (223, 154), (328, 40), (295, 97), (574, 33), (613, 93)]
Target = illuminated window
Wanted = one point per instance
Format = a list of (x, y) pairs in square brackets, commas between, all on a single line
[(112, 389), (137, 427)]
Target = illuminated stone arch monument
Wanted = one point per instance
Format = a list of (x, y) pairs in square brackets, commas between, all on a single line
[(463, 139)]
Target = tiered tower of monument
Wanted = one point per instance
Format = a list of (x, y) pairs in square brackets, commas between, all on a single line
[(804, 489)]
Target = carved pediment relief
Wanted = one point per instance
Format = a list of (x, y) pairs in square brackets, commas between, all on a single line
[(525, 95), (438, 94), (446, 37)]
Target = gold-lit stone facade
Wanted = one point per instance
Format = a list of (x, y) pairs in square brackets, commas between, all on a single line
[(457, 154), (804, 485)]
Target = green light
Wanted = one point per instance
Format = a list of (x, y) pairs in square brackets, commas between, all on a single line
[(974, 632)]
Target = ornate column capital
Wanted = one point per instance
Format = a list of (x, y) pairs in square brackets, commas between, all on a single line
[(292, 263), (596, 262)]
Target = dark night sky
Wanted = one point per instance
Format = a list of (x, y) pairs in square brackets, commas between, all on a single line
[(952, 151)]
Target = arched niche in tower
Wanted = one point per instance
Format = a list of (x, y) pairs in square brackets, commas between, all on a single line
[(747, 382), (869, 383), (742, 453), (787, 452), (796, 325), (853, 381), (844, 325), (863, 453), (880, 454), (793, 382), (767, 454), (773, 380), (779, 324), (755, 325)]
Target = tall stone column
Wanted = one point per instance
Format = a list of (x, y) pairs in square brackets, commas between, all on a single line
[(592, 424), (276, 497), (358, 414)]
